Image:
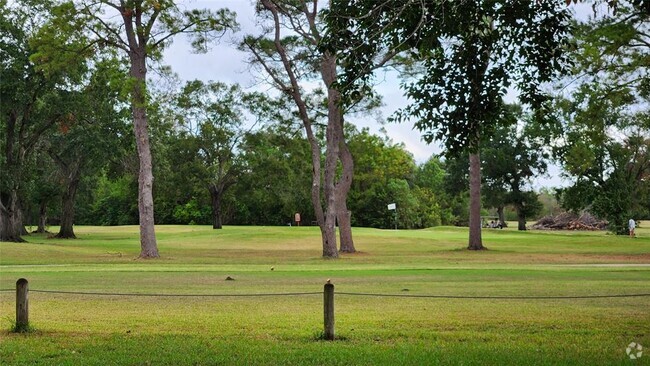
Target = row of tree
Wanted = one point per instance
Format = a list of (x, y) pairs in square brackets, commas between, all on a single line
[(252, 176), (74, 76)]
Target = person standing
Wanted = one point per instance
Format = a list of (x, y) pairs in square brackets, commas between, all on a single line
[(631, 225)]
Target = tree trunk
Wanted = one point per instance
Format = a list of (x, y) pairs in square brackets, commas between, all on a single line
[(148, 245), (42, 218), (475, 240), (329, 236), (502, 217), (345, 228), (215, 195), (21, 222), (343, 215), (6, 231), (328, 230), (521, 218), (67, 203), (4, 223), (334, 193), (9, 230), (323, 195), (10, 223)]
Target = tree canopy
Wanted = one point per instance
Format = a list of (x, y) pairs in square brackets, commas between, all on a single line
[(85, 125)]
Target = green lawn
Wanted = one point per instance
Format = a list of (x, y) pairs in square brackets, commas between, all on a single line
[(75, 329)]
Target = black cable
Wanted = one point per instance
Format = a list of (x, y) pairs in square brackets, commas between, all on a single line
[(347, 293), (174, 295), (494, 297)]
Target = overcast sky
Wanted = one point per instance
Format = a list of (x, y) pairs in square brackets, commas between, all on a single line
[(226, 64)]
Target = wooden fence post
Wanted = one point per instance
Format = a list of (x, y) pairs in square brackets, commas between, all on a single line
[(22, 305), (329, 311)]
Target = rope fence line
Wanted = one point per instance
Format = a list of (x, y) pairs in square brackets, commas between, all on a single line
[(489, 297), (496, 297), (176, 295), (22, 300)]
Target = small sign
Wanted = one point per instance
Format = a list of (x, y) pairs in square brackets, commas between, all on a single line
[(297, 217), (392, 206)]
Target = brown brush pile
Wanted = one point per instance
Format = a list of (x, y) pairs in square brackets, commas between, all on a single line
[(570, 221)]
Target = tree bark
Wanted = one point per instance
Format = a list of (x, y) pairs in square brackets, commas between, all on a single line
[(5, 227), (67, 203), (321, 192), (344, 216), (328, 197), (21, 222), (9, 228), (521, 218), (148, 244), (330, 249), (42, 218), (215, 195), (475, 240), (502, 217), (10, 224), (335, 192)]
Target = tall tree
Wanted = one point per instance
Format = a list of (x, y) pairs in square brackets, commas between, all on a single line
[(212, 117), (289, 60), (142, 29), (511, 158), (84, 142), (45, 192), (34, 98), (383, 174), (433, 176), (604, 150), (277, 169), (468, 53), (604, 143)]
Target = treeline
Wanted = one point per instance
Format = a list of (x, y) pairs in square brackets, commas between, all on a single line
[(271, 178), (225, 156), (88, 138), (270, 186)]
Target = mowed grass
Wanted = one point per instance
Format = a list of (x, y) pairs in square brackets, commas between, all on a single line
[(78, 329)]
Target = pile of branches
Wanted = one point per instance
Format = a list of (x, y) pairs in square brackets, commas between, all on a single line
[(570, 221)]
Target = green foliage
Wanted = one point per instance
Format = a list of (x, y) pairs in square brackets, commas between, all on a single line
[(37, 94), (115, 202), (613, 202), (192, 213), (154, 22), (613, 47), (512, 157), (274, 183), (469, 54), (385, 173), (444, 182), (59, 46), (429, 213), (277, 180), (613, 187), (605, 142)]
